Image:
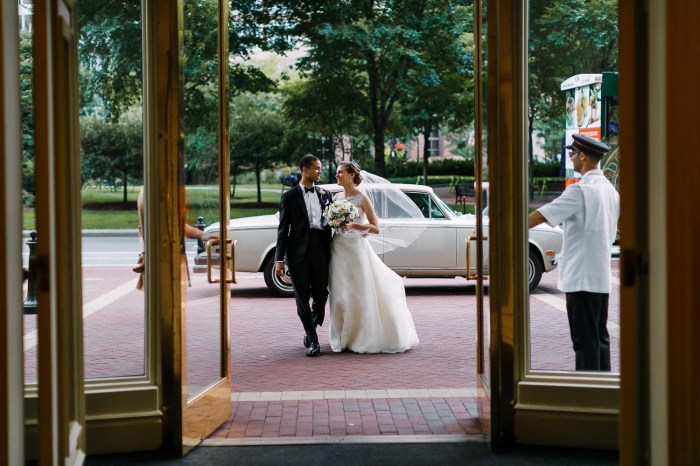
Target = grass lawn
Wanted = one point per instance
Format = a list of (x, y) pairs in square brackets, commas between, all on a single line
[(104, 209)]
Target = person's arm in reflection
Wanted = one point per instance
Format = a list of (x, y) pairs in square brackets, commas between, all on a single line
[(190, 232), (195, 233)]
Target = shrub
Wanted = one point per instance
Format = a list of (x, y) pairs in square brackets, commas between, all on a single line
[(548, 168)]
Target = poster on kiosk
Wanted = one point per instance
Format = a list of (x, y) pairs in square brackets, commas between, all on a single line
[(583, 113)]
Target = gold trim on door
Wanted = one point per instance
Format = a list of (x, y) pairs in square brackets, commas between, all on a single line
[(188, 418)]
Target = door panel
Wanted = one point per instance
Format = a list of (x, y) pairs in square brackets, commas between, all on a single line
[(434, 246), (11, 405), (206, 384), (60, 375), (477, 250)]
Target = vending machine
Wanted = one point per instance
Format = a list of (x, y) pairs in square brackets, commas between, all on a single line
[(590, 100)]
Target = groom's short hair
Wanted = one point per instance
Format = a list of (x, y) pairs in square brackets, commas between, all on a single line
[(307, 160)]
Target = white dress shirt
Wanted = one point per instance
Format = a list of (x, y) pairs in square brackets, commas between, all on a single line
[(588, 212), (313, 207)]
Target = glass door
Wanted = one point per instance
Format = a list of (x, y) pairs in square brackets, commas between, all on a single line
[(206, 384), (477, 249)]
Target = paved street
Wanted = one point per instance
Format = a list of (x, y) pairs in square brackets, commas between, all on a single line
[(279, 392)]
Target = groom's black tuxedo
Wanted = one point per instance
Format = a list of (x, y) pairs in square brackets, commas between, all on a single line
[(308, 255)]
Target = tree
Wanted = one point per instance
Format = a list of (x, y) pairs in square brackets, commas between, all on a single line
[(27, 109), (111, 67), (326, 110), (567, 37), (438, 96), (112, 150), (375, 45), (257, 135), (111, 61)]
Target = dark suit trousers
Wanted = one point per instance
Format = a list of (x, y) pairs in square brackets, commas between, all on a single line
[(588, 323), (310, 280)]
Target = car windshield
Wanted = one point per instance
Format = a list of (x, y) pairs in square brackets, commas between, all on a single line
[(447, 208)]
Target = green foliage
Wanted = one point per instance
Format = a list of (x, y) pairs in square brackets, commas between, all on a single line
[(401, 168), (257, 134), (548, 168), (111, 62), (27, 110), (567, 37), (109, 55), (112, 151), (383, 52)]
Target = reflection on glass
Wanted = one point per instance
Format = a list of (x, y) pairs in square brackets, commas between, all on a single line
[(203, 301), (567, 95), (111, 132), (481, 172), (28, 185)]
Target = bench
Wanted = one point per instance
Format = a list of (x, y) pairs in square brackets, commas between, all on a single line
[(462, 192)]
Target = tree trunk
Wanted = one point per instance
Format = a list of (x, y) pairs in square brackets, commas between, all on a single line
[(531, 187), (257, 181), (377, 115), (124, 183), (331, 161), (426, 154), (379, 163)]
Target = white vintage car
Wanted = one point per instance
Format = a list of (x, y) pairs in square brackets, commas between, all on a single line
[(439, 251)]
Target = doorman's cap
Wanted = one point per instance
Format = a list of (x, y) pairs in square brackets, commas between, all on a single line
[(588, 145)]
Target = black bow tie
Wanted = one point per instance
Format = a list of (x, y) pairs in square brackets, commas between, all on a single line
[(309, 190)]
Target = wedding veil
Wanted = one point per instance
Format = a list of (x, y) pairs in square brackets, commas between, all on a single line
[(392, 206)]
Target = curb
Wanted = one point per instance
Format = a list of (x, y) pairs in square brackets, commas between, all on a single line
[(94, 233)]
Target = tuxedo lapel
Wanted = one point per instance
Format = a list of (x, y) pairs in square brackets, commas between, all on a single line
[(299, 196)]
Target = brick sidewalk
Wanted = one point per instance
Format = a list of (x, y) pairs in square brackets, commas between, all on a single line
[(279, 392)]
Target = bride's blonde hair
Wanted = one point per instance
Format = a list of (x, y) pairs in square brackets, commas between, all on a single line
[(354, 169)]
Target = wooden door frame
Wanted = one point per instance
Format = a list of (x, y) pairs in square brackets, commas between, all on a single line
[(61, 406), (11, 321)]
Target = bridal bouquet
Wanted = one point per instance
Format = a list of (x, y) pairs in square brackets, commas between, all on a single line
[(339, 213)]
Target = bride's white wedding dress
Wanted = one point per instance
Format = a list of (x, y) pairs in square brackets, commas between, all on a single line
[(369, 313)]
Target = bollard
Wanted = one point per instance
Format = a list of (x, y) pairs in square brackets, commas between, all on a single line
[(30, 303), (200, 225)]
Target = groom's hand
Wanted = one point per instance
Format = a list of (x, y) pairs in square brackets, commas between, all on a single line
[(279, 269)]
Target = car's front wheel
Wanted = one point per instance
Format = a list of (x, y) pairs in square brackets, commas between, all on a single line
[(281, 286), (535, 268)]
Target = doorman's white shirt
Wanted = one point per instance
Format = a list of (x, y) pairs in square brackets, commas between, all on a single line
[(588, 212)]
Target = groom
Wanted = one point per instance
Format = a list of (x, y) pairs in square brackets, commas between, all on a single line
[(305, 241)]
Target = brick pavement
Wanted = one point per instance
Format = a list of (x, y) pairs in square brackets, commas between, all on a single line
[(271, 374)]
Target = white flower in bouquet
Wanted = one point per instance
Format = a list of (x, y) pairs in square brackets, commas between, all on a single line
[(339, 213)]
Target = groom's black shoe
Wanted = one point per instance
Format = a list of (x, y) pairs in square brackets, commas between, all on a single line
[(314, 349), (307, 342)]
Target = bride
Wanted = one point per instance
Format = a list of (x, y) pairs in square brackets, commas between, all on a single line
[(368, 306)]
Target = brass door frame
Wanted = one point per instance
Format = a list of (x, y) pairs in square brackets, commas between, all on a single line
[(507, 93), (214, 403), (164, 22), (527, 406), (478, 185)]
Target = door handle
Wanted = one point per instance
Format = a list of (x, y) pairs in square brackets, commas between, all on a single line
[(469, 267), (231, 259), (228, 262), (209, 246)]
